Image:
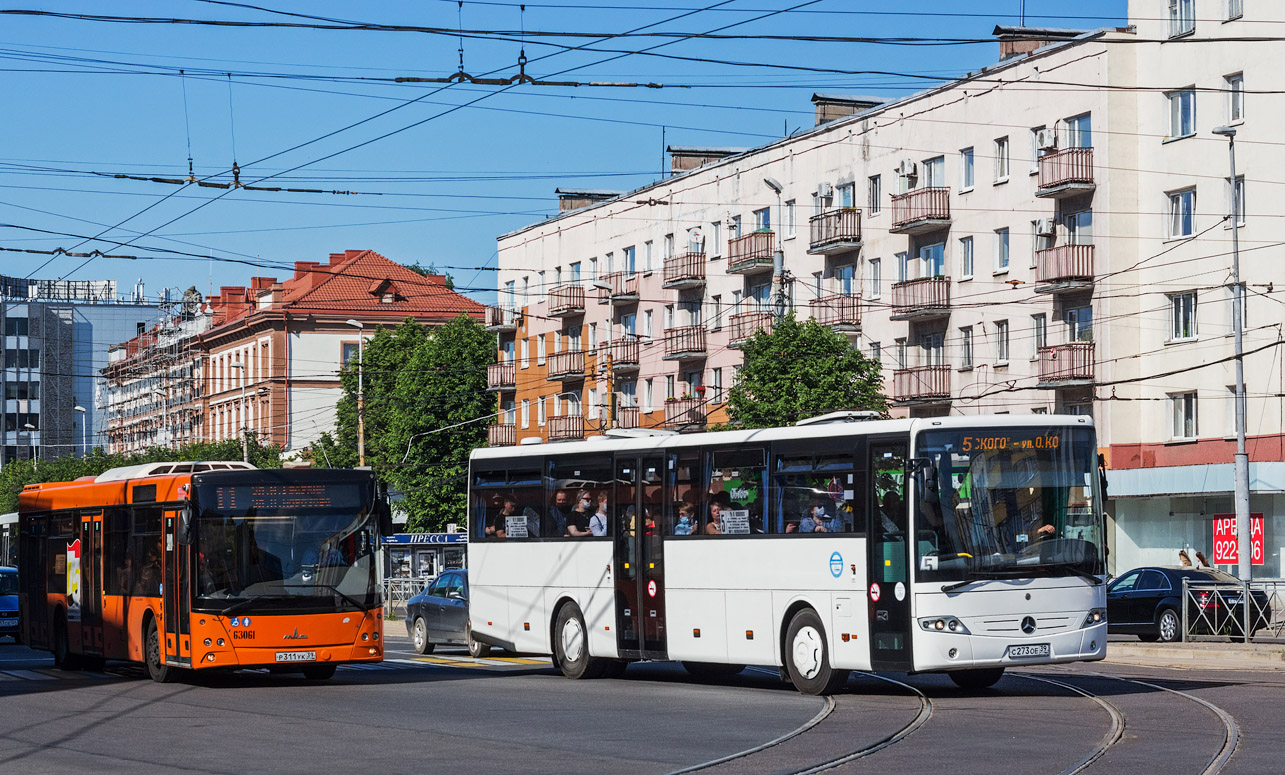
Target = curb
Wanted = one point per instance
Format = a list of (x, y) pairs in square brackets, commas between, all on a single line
[(1193, 656)]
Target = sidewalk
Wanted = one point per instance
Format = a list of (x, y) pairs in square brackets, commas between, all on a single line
[(1205, 655)]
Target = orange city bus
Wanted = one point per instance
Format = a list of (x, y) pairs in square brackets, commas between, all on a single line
[(204, 566)]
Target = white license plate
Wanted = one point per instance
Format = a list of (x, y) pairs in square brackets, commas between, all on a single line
[(1027, 651), (8, 622), (296, 656)]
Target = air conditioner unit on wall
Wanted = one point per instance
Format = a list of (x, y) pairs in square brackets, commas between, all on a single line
[(1047, 139), (906, 168), (825, 190), (1046, 227)]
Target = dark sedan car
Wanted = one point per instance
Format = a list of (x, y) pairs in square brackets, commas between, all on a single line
[(1147, 602), (439, 615), (9, 602)]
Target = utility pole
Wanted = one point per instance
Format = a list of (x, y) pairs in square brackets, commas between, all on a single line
[(778, 255), (361, 396), (245, 416)]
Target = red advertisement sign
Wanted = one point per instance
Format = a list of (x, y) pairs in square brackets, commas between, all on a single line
[(1226, 551)]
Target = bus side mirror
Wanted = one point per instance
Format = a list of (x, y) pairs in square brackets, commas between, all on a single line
[(385, 518), (185, 525)]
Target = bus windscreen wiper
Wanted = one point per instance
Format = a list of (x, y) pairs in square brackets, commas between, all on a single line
[(1076, 571), (982, 575), (352, 601), (243, 604)]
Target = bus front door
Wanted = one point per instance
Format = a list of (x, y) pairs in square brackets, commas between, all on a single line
[(177, 596), (889, 593), (639, 558)]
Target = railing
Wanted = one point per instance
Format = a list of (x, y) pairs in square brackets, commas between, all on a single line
[(1218, 609), (837, 227), (920, 383), (502, 435), (1064, 263), (566, 300), (1071, 362), (568, 364), (398, 592), (1065, 167), (746, 324), (687, 340), (501, 376), (682, 412), (497, 318), (840, 310), (751, 252), (623, 352), (927, 294), (920, 204), (624, 286), (685, 270), (567, 427), (627, 417)]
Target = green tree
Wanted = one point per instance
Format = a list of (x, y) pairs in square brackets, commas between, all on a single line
[(801, 370)]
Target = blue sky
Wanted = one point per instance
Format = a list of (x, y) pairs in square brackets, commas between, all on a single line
[(91, 99)]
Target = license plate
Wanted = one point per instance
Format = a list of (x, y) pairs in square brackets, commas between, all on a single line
[(296, 656), (8, 622), (1027, 651)]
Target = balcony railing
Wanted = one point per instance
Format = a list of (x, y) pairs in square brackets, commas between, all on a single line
[(1063, 268), (502, 435), (566, 428), (624, 287), (627, 417), (927, 297), (921, 383), (684, 271), (566, 300), (751, 253), (684, 343), (841, 311), (501, 376), (1066, 365), (835, 231), (623, 354), (569, 365), (500, 320), (746, 324), (685, 412), (920, 209), (1065, 173)]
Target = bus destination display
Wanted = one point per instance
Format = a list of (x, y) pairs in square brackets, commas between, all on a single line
[(1001, 442), (260, 497)]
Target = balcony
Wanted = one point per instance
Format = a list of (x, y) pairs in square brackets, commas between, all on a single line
[(501, 376), (746, 324), (624, 288), (566, 300), (565, 366), (921, 384), (1064, 173), (566, 428), (501, 321), (920, 210), (1067, 365), (685, 343), (627, 417), (835, 232), (922, 299), (685, 413), (502, 435), (684, 272), (752, 253), (840, 311), (623, 354), (1064, 268)]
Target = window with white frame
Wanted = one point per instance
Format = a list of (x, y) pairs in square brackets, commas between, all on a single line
[(876, 278), (647, 331), (1182, 213), (1235, 86), (1079, 324), (1079, 131), (1229, 418), (526, 352), (932, 259), (734, 227), (1182, 409), (695, 240), (763, 219), (1001, 250), (1182, 113), (593, 337), (789, 224), (539, 351), (935, 172), (966, 170), (540, 410), (575, 273), (669, 316), (903, 267), (1236, 201), (966, 258), (649, 395), (1038, 241), (901, 352), (1036, 149), (557, 341), (573, 339), (876, 352), (1233, 9), (668, 247), (874, 195), (628, 325), (669, 387), (1001, 159), (715, 239), (609, 261), (966, 348), (630, 260), (1182, 316), (1231, 307), (1040, 330), (526, 413), (1079, 227), (593, 403), (932, 348), (649, 257), (716, 378), (1001, 342), (1182, 17), (593, 269), (715, 313)]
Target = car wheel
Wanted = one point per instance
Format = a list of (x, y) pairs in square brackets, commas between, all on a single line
[(571, 645), (419, 637), (983, 678), (320, 672), (476, 648), (1169, 628), (160, 673), (712, 669), (807, 657)]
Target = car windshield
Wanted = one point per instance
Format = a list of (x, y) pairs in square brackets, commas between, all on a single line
[(1007, 503), (8, 583)]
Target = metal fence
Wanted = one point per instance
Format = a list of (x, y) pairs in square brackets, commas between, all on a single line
[(1219, 610), (398, 592)]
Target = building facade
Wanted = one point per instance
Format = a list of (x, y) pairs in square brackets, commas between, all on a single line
[(1048, 234)]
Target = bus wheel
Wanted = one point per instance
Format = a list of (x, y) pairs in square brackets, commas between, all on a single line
[(63, 658), (319, 672), (571, 645), (160, 673), (476, 648), (419, 637), (712, 669), (808, 659), (984, 678)]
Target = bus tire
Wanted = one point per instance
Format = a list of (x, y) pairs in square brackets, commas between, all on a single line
[(419, 637), (571, 645), (983, 678), (476, 648), (320, 672), (807, 657), (712, 669), (63, 658), (160, 673)]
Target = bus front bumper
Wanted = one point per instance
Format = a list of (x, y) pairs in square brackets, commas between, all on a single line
[(950, 651)]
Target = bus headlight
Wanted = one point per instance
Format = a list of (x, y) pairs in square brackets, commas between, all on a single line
[(943, 624), (1095, 617)]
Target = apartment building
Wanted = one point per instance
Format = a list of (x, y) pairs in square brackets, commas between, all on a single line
[(1047, 234), (266, 357)]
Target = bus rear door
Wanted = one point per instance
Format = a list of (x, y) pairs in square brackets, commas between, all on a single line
[(639, 557)]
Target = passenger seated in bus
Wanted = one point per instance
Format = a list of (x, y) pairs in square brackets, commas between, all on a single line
[(498, 524), (578, 519), (556, 524), (816, 520), (686, 520), (598, 522), (714, 525), (149, 577)]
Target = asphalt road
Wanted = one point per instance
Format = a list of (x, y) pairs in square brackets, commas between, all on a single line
[(449, 713)]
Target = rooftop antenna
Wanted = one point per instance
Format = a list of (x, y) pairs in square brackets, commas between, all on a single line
[(187, 125), (236, 169)]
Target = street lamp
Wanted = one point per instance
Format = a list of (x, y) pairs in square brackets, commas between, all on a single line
[(361, 395), (1243, 528), (778, 256), (245, 419), (84, 429), (31, 440)]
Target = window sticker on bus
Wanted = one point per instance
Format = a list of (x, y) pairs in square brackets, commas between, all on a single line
[(736, 522), (515, 527)]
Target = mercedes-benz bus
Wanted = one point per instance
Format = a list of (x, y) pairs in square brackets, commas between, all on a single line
[(962, 545)]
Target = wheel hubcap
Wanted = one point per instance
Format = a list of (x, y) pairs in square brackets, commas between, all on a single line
[(807, 652), (572, 640), (1168, 626), (419, 634)]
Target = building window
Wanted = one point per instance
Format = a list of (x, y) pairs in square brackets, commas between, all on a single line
[(539, 351), (874, 192), (932, 259), (669, 387), (648, 256), (935, 172), (1234, 9), (1079, 131), (903, 267), (1001, 160), (593, 337), (900, 353), (1182, 316), (649, 395), (1182, 17), (1038, 241), (540, 410), (593, 269), (1182, 213), (716, 239), (966, 170), (1236, 201), (790, 225), (763, 219), (667, 247), (716, 313), (718, 385), (526, 352), (1235, 98), (848, 195), (1036, 150), (933, 347), (630, 260), (526, 413), (1001, 342), (966, 348), (876, 278), (593, 403), (1079, 324), (349, 353), (1183, 409), (1079, 228), (876, 352), (966, 258), (1040, 327), (734, 228), (669, 316), (1182, 113), (648, 332), (1001, 250)]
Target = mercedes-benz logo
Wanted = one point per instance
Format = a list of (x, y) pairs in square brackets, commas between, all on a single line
[(1028, 625)]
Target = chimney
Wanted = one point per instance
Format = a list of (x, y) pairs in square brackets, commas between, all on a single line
[(689, 157), (834, 106), (302, 268), (1018, 41), (575, 198)]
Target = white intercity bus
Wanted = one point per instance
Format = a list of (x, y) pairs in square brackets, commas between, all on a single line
[(961, 545)]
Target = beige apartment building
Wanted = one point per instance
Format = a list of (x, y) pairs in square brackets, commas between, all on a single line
[(1048, 234)]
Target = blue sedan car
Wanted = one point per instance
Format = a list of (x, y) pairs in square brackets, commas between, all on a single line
[(9, 602)]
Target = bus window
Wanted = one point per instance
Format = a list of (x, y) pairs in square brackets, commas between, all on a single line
[(507, 505), (684, 513), (118, 565), (737, 480), (145, 552), (585, 484), (813, 495)]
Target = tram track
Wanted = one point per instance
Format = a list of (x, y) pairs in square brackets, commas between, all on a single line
[(1113, 735)]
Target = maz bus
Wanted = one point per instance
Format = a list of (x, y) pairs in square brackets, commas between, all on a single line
[(959, 545), (204, 566)]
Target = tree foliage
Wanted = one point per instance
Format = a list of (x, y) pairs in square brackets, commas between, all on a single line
[(801, 370), (426, 409)]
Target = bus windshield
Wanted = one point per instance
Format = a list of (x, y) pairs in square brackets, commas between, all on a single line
[(1006, 503), (296, 548)]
